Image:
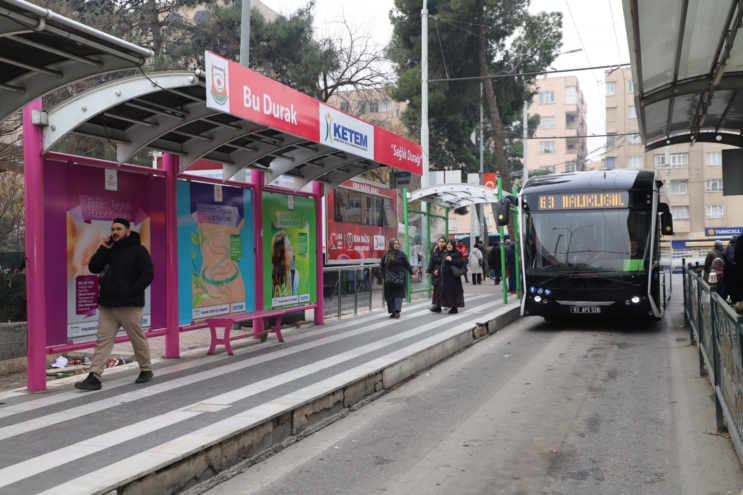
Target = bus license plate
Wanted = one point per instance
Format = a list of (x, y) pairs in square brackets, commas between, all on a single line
[(585, 309)]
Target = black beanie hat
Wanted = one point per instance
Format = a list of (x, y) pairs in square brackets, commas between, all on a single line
[(122, 221)]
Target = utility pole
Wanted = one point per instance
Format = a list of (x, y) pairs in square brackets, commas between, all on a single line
[(245, 34), (424, 92), (525, 143), (481, 210)]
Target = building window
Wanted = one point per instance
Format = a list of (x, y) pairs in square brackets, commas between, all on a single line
[(630, 86), (611, 140), (631, 113), (547, 97), (361, 107), (571, 166), (634, 138), (609, 89), (374, 106), (711, 159), (634, 162), (715, 211), (570, 95), (714, 185), (452, 224), (547, 147), (680, 212), (678, 160), (677, 187), (345, 106), (609, 163), (547, 123)]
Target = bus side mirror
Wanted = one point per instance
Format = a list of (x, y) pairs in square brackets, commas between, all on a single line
[(666, 219), (503, 210)]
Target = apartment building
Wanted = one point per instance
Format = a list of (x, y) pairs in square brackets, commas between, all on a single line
[(692, 174), (560, 142), (372, 105)]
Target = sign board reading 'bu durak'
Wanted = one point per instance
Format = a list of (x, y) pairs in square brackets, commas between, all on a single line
[(239, 91)]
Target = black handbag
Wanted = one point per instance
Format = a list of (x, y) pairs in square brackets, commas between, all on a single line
[(458, 271), (394, 279)]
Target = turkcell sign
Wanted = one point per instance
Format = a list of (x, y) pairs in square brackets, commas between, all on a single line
[(344, 132), (723, 231)]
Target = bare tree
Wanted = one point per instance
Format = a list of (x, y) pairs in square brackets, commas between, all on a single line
[(11, 146), (360, 63)]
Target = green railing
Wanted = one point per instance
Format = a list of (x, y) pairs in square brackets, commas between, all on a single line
[(717, 328)]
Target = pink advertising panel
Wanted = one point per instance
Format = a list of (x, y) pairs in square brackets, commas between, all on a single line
[(79, 205)]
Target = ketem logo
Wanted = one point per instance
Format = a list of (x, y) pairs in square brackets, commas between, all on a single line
[(346, 132)]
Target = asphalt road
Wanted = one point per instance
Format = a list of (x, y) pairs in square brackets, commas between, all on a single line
[(588, 407)]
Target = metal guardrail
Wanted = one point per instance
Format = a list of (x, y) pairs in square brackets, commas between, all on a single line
[(717, 329), (347, 287)]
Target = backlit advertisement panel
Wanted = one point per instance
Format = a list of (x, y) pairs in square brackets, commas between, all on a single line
[(361, 219)]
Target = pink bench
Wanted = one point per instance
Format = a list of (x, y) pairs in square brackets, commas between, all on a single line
[(228, 321)]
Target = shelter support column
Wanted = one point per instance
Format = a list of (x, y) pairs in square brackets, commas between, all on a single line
[(171, 165), (318, 189), (35, 250), (257, 178)]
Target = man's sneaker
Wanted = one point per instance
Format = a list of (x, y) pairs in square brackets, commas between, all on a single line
[(144, 377), (90, 383)]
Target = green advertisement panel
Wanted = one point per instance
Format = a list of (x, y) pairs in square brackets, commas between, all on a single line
[(289, 250)]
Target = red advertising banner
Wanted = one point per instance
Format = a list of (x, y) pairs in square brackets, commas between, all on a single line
[(398, 152), (239, 91), (362, 218)]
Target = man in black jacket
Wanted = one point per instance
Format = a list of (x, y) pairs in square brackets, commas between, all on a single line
[(494, 261), (126, 271)]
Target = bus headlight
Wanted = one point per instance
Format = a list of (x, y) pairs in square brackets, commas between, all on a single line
[(537, 299), (532, 289), (635, 299), (547, 292)]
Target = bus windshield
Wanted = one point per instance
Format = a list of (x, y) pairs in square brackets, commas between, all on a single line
[(616, 240)]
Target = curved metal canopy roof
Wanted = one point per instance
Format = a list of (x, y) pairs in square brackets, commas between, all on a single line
[(167, 112), (41, 51), (454, 195), (687, 64)]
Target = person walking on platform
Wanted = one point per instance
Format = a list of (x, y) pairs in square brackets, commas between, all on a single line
[(729, 268), (475, 265), (511, 265), (738, 257), (393, 267), (715, 252), (434, 271), (452, 293), (494, 261), (126, 271)]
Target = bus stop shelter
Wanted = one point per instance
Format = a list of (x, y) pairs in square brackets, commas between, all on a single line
[(225, 113), (687, 67), (457, 195)]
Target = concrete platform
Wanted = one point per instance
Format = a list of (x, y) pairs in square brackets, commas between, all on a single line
[(203, 418)]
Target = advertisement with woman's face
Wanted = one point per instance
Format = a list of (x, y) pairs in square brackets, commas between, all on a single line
[(289, 250)]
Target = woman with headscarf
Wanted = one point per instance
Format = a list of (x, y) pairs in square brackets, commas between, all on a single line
[(452, 293), (393, 266), (729, 268), (434, 271)]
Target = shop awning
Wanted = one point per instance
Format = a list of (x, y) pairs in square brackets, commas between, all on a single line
[(687, 64), (189, 114), (454, 195), (41, 51)]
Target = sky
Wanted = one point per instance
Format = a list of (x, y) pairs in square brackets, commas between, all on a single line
[(595, 26)]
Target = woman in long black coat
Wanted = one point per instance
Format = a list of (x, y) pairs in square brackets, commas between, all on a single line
[(434, 271), (395, 262), (452, 293)]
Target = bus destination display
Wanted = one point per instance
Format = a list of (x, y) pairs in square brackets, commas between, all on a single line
[(583, 200)]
